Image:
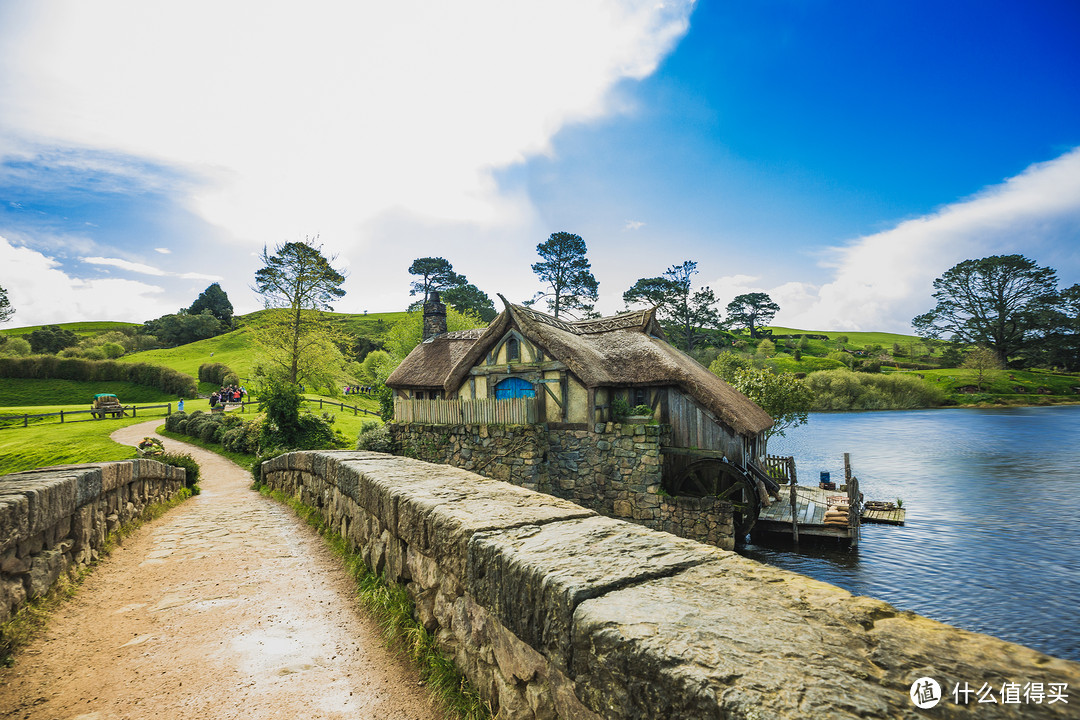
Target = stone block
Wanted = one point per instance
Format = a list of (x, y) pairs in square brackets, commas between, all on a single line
[(45, 568), (733, 638), (532, 578), (14, 519)]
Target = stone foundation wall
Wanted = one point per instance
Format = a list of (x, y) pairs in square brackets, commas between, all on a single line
[(555, 612), (612, 468), (55, 519)]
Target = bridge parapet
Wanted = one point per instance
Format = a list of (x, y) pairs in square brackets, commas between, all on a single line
[(57, 518), (555, 612)]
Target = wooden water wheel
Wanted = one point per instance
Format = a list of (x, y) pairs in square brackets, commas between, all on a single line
[(711, 477)]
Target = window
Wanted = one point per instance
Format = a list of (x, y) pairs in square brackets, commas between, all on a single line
[(419, 394), (513, 350), (640, 397), (514, 388)]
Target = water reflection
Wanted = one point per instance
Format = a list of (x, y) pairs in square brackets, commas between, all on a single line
[(993, 513)]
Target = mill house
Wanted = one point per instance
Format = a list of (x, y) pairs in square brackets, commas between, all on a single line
[(542, 402)]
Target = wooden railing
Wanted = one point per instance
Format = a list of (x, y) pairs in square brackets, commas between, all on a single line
[(7, 421), (780, 468), (489, 411)]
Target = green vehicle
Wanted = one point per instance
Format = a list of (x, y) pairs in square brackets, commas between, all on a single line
[(106, 404)]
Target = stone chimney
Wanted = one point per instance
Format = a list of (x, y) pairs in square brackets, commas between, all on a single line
[(434, 315)]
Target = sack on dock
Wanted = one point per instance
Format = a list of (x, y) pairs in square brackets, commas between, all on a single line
[(836, 523), (838, 516)]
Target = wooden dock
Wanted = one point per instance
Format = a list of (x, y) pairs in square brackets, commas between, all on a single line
[(885, 517), (810, 506)]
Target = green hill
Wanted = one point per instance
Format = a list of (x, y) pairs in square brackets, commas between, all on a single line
[(82, 329)]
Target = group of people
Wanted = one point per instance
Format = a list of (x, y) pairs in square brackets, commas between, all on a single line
[(230, 394), (358, 390)]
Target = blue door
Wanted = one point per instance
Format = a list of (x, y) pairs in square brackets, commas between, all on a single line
[(514, 388)]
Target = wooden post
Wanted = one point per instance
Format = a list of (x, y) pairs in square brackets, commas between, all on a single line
[(854, 507), (61, 416), (169, 412), (794, 515), (26, 421), (847, 468)]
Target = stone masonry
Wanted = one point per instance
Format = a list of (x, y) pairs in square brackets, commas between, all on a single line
[(612, 468), (555, 612), (56, 519)]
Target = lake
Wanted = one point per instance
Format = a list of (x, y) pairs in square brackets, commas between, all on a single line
[(992, 540)]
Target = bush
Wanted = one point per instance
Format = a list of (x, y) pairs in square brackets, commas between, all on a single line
[(213, 373), (231, 379), (46, 367), (375, 439), (184, 461), (845, 390), (172, 422)]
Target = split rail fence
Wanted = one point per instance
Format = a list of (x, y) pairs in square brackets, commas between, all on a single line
[(9, 421)]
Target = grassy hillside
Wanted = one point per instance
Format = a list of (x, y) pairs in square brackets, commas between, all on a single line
[(82, 329), (25, 392), (237, 349)]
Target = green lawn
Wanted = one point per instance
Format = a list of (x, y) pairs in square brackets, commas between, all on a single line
[(43, 445)]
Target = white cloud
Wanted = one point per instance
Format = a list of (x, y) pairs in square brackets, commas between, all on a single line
[(42, 293), (144, 269), (326, 118), (163, 251), (882, 281), (633, 225)]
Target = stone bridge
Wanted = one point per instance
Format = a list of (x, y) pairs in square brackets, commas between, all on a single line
[(554, 611)]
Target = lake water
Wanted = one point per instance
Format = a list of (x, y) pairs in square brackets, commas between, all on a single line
[(992, 540)]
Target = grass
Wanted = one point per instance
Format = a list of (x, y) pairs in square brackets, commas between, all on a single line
[(1004, 385), (31, 619), (390, 605), (46, 444), (74, 394)]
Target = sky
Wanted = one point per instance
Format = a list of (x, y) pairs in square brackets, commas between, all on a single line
[(837, 155)]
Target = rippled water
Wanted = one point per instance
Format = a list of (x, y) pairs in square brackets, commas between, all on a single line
[(992, 540)]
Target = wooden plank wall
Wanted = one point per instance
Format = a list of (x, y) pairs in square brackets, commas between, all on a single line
[(484, 411), (693, 427)]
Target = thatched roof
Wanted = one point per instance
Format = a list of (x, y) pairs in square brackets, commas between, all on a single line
[(627, 350), (430, 362)]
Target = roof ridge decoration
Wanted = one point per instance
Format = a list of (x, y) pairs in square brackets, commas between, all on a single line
[(635, 319)]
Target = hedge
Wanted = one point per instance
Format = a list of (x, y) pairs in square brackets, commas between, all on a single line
[(48, 367)]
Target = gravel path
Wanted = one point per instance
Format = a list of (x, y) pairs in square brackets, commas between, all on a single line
[(226, 607)]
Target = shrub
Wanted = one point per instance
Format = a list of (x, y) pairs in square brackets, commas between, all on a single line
[(845, 390), (184, 461), (213, 373), (172, 422), (231, 379), (375, 439)]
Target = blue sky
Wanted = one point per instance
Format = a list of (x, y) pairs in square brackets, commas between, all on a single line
[(838, 155)]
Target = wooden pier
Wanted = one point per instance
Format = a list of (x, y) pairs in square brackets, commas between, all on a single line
[(808, 519), (803, 510)]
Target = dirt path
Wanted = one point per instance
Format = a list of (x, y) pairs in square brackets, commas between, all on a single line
[(227, 607)]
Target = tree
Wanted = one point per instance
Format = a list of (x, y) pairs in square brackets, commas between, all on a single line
[(985, 363), (567, 273), (1001, 302), (751, 311), (181, 328), (216, 301), (6, 311), (786, 398), (407, 333), (682, 313), (52, 339), (299, 278), (435, 273), (470, 300), (313, 357)]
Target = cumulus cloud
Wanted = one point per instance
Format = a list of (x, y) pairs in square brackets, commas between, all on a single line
[(145, 269), (633, 225), (324, 117), (882, 281), (42, 293)]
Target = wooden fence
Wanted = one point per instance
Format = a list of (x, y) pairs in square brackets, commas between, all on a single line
[(6, 420), (489, 411), (328, 403)]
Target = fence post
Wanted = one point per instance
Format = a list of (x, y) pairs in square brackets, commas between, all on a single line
[(170, 409), (61, 416), (26, 421), (134, 411)]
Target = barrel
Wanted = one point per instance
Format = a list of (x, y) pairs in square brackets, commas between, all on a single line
[(825, 476)]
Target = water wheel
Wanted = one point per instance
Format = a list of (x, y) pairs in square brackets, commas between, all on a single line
[(710, 477)]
